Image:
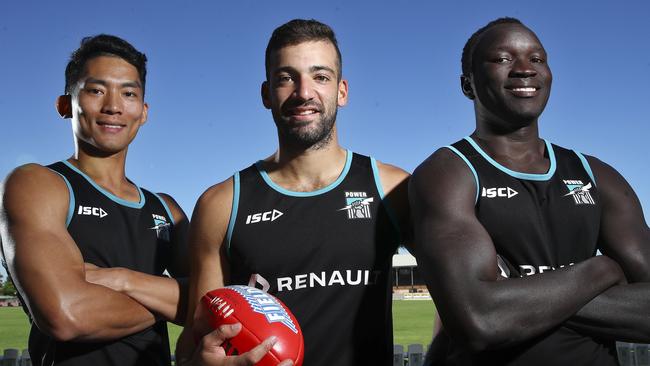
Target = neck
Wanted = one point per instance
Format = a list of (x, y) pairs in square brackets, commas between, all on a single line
[(107, 170), (306, 170)]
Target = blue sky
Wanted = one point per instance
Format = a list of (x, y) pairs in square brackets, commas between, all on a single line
[(401, 58)]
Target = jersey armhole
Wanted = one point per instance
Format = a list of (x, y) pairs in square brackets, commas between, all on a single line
[(380, 189), (471, 167), (585, 164), (71, 201), (233, 211), (164, 203)]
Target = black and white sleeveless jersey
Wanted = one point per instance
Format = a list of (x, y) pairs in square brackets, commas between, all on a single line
[(538, 223), (326, 254), (112, 232)]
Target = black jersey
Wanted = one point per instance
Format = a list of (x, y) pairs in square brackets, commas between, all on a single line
[(326, 254), (538, 223), (112, 232)]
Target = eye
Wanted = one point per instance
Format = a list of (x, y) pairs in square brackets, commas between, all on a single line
[(502, 60), (94, 91), (322, 78), (283, 79), (130, 94), (537, 60)]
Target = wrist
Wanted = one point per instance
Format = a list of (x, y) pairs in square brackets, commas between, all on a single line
[(609, 269), (126, 280)]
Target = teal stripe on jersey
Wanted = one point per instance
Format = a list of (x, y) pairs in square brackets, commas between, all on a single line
[(470, 168), (267, 179), (233, 211), (108, 194), (519, 175), (71, 202)]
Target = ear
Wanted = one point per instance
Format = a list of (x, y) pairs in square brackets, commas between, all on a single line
[(145, 114), (466, 87), (64, 105), (342, 98), (266, 95)]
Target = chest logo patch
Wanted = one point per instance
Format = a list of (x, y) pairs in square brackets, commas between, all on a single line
[(91, 211), (161, 226), (263, 216), (579, 191), (505, 192), (357, 204)]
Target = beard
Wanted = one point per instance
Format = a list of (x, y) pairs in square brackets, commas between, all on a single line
[(312, 135)]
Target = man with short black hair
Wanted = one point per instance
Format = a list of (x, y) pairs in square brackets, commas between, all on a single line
[(85, 246), (507, 227), (313, 224)]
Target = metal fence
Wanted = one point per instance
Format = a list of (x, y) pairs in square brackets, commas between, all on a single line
[(629, 354)]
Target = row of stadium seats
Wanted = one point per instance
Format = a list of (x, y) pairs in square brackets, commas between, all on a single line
[(13, 357), (629, 354), (633, 354)]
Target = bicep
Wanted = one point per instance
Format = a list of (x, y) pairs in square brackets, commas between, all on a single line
[(624, 234), (43, 259), (456, 251), (207, 238)]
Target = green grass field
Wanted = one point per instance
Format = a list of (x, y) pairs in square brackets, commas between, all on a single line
[(412, 323)]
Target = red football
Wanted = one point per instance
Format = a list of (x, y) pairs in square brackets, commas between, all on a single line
[(261, 316)]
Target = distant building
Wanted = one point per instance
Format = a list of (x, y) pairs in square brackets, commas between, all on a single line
[(405, 273), (6, 301)]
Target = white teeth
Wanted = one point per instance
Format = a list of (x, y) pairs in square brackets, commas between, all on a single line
[(115, 127), (304, 113), (524, 89)]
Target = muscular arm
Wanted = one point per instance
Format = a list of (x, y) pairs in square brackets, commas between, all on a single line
[(166, 297), (459, 264), (48, 268), (209, 266), (621, 312)]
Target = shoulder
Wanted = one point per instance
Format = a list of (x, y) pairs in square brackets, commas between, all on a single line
[(391, 176), (33, 179), (216, 201), (443, 164), (608, 180), (34, 187), (177, 212), (443, 175)]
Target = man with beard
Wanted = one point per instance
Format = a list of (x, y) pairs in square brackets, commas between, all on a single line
[(310, 223), (507, 226)]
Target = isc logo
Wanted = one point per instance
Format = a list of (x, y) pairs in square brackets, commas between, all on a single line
[(91, 211), (498, 192), (263, 216)]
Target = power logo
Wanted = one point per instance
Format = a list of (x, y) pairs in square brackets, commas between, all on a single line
[(91, 211), (263, 216)]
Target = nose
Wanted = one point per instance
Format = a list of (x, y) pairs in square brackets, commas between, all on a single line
[(112, 103), (304, 89), (523, 68)]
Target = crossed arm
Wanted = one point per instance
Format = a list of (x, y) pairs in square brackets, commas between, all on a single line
[(621, 312), (459, 264), (49, 270), (165, 297)]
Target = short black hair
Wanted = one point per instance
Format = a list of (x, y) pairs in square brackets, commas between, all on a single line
[(470, 45), (103, 45), (298, 31)]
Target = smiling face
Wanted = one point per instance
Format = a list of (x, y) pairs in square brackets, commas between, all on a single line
[(510, 80), (303, 93), (107, 106)]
